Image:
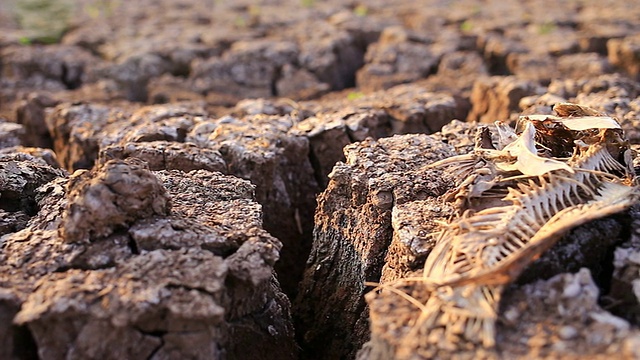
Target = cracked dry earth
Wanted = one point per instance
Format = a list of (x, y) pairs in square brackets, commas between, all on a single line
[(202, 179)]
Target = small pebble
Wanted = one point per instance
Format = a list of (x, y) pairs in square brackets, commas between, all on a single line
[(571, 290), (383, 199), (512, 315), (567, 332)]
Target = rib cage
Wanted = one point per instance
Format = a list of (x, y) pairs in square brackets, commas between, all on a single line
[(482, 240), (478, 253)]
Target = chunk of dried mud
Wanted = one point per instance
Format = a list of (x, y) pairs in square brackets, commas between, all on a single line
[(497, 97), (12, 221), (196, 283), (19, 179), (261, 149), (74, 130), (414, 224), (156, 292), (624, 53), (353, 230), (112, 195), (623, 296), (166, 155), (10, 134), (561, 318), (22, 153)]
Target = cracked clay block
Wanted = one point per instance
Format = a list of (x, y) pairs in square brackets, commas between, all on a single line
[(260, 148), (113, 195), (624, 53), (497, 97), (181, 136), (165, 155), (623, 296), (352, 232), (400, 110), (20, 177), (395, 59), (561, 318), (135, 281), (10, 134)]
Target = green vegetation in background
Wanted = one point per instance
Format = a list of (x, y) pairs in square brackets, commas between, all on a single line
[(308, 3), (25, 40), (546, 28), (44, 21), (354, 95), (466, 26), (101, 8), (361, 10)]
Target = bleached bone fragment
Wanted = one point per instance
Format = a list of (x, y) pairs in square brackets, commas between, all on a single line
[(577, 123)]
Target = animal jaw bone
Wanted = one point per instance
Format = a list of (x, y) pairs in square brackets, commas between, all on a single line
[(543, 196)]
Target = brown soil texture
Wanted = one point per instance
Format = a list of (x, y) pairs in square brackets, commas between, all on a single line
[(213, 179)]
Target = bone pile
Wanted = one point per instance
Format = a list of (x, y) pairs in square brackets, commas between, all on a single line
[(516, 194)]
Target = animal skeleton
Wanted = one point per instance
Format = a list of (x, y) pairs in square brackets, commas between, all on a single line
[(514, 202)]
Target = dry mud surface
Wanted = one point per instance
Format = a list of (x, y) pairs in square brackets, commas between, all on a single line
[(219, 179)]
